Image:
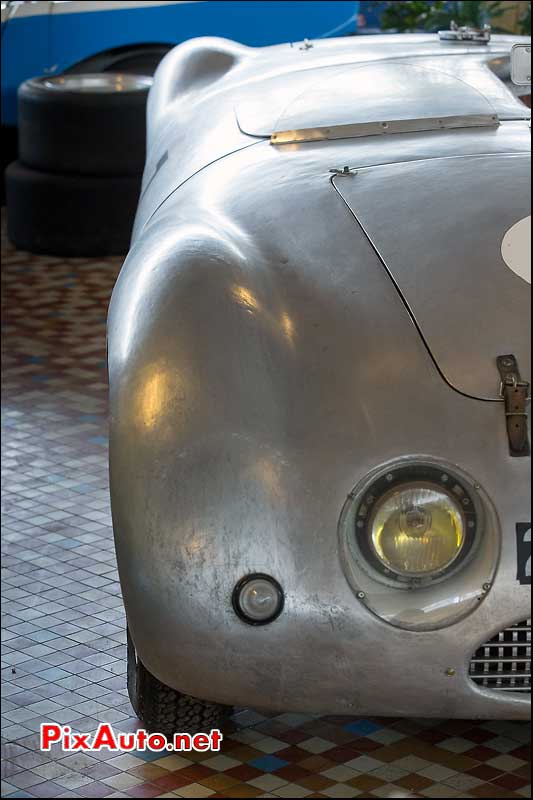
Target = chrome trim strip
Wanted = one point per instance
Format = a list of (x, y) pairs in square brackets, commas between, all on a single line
[(361, 129)]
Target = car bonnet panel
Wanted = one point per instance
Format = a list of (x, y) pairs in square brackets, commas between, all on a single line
[(440, 229)]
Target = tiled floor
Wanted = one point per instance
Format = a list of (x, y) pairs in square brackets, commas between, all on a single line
[(63, 630)]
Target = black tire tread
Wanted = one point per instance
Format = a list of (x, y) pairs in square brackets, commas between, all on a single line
[(167, 711), (163, 709), (70, 215), (77, 133)]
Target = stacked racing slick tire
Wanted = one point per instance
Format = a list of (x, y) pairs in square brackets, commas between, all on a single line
[(75, 188)]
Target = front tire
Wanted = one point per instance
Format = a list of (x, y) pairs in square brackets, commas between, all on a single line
[(165, 710)]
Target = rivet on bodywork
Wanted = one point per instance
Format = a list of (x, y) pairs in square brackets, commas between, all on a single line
[(450, 672)]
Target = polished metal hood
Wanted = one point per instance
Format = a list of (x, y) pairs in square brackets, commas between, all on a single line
[(439, 227)]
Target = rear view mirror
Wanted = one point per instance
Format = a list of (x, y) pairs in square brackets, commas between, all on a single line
[(521, 64)]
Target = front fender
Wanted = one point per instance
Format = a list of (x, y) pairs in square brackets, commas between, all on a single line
[(253, 384)]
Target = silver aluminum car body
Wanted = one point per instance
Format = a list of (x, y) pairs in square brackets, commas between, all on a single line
[(293, 315)]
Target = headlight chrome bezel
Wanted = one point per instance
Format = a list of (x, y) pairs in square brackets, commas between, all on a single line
[(427, 603), (404, 475)]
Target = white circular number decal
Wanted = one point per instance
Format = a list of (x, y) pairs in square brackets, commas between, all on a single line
[(516, 248)]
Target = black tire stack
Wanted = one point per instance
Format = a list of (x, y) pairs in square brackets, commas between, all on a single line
[(75, 188)]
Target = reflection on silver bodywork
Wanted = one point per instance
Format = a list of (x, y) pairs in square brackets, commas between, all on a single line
[(262, 363)]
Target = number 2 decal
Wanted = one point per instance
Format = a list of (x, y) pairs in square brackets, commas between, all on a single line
[(523, 547)]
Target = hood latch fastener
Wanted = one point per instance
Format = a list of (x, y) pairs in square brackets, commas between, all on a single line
[(515, 393), (344, 171)]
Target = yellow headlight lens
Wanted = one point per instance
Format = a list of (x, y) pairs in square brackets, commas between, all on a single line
[(417, 529)]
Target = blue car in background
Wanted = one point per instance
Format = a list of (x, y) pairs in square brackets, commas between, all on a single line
[(40, 38)]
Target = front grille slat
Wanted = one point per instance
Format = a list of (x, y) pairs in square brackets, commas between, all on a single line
[(525, 689), (504, 663), (506, 674), (502, 660), (506, 645)]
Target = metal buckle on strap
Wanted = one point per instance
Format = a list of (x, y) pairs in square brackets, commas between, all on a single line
[(515, 393), (513, 383)]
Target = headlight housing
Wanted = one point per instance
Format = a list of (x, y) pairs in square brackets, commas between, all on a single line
[(417, 530), (416, 524), (419, 543)]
